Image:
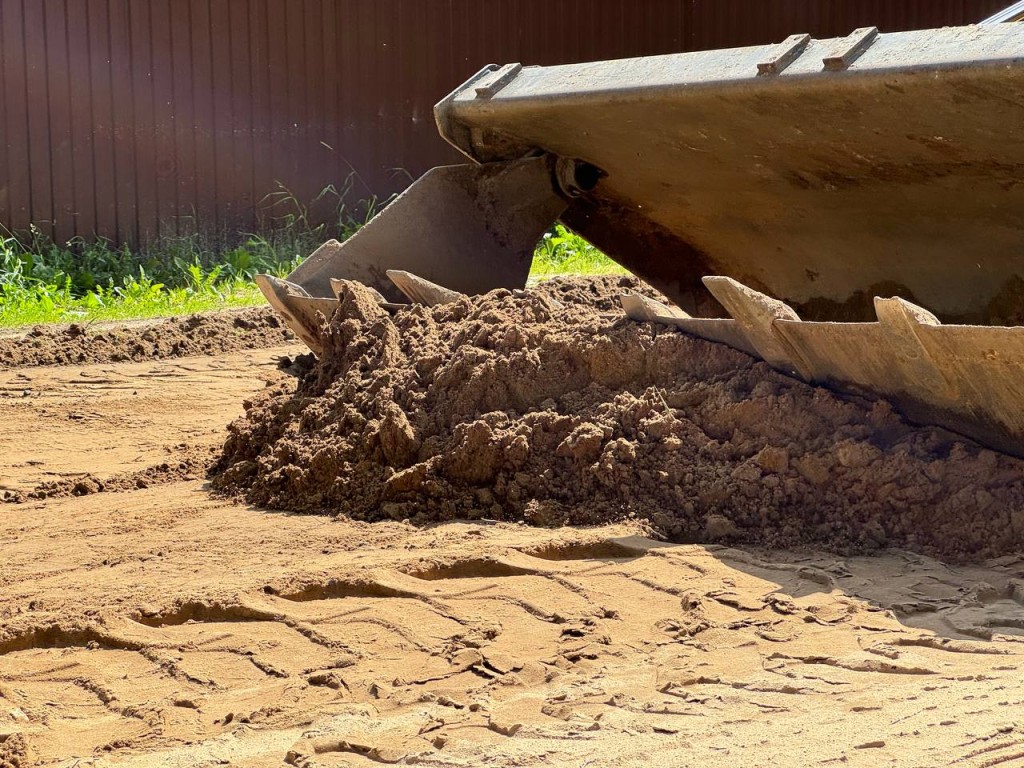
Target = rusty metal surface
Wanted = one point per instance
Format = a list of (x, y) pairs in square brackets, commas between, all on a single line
[(871, 162), (132, 120)]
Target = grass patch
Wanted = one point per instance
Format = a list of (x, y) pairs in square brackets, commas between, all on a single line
[(563, 252), (43, 282), (168, 303), (85, 281)]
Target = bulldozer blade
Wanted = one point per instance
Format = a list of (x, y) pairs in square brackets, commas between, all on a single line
[(969, 379), (422, 291), (820, 172), (722, 331), (473, 228)]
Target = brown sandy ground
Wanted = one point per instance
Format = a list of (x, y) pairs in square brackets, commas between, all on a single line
[(207, 333), (71, 429), (163, 627)]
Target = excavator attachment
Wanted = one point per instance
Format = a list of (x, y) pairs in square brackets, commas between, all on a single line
[(969, 379), (472, 227), (818, 175)]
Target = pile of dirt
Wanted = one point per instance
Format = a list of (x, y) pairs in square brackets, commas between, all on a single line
[(552, 408), (205, 334)]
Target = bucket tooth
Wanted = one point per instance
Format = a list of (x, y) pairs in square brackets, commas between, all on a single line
[(337, 286), (918, 370), (643, 309), (421, 291), (887, 357), (756, 314), (302, 313), (981, 370), (897, 311)]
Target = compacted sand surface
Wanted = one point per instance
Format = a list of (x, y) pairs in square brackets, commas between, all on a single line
[(147, 619)]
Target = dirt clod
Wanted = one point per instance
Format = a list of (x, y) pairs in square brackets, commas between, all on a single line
[(548, 406), (205, 334), (191, 463), (14, 751)]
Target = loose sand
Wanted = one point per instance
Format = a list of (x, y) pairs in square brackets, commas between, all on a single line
[(164, 626)]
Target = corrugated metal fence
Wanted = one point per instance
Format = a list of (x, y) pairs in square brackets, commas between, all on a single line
[(132, 119)]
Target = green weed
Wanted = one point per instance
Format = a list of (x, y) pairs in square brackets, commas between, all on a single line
[(563, 252), (42, 281)]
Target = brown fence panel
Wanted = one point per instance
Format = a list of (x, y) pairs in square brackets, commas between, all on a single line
[(38, 151), (15, 184), (139, 119), (729, 23)]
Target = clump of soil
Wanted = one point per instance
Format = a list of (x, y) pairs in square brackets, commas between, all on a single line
[(205, 334), (564, 412), (14, 751), (189, 464)]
